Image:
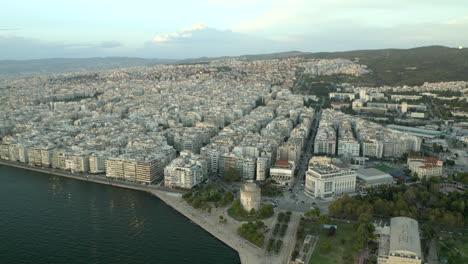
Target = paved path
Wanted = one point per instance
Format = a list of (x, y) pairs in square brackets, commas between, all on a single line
[(432, 255), (290, 238)]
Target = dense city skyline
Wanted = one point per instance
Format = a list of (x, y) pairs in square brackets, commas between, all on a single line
[(185, 29)]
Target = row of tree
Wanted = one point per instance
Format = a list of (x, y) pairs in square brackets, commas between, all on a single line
[(423, 203)]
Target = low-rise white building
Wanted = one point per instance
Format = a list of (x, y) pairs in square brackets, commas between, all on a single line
[(283, 172), (425, 166), (373, 177)]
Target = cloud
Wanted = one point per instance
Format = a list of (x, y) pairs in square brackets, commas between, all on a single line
[(197, 26), (200, 40), (182, 34)]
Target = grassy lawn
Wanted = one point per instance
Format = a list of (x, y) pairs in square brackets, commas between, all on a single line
[(456, 243), (340, 245), (384, 168)]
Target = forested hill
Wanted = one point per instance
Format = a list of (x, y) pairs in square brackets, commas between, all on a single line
[(407, 66)]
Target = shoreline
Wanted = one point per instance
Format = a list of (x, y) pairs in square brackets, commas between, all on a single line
[(248, 253)]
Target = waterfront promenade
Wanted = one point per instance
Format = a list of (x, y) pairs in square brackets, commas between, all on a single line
[(227, 233)]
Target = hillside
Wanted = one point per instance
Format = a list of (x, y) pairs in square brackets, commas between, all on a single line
[(405, 66)]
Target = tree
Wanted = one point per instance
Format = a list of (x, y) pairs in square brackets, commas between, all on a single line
[(232, 175), (415, 176), (252, 211), (314, 212), (187, 195), (331, 231), (428, 230), (372, 259), (266, 211), (228, 196), (335, 208), (281, 216), (324, 219), (410, 195), (450, 162)]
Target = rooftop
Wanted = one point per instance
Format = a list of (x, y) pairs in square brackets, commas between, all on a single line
[(404, 236)]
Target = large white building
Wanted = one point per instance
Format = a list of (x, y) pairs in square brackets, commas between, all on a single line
[(400, 244), (327, 179), (187, 171)]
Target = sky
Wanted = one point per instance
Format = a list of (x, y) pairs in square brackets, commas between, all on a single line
[(177, 29)]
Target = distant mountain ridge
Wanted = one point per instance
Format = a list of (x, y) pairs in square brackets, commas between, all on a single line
[(61, 65), (389, 66)]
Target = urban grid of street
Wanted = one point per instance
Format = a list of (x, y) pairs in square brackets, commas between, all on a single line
[(209, 118)]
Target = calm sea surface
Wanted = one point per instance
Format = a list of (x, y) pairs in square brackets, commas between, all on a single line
[(48, 219)]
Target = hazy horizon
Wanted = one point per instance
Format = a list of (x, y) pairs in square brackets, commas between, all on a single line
[(192, 29)]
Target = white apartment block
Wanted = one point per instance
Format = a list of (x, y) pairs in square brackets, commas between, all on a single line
[(186, 171), (325, 140), (97, 163), (262, 168), (348, 148), (138, 169), (372, 148)]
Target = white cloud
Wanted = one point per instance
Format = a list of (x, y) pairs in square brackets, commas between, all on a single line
[(182, 34), (199, 41)]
